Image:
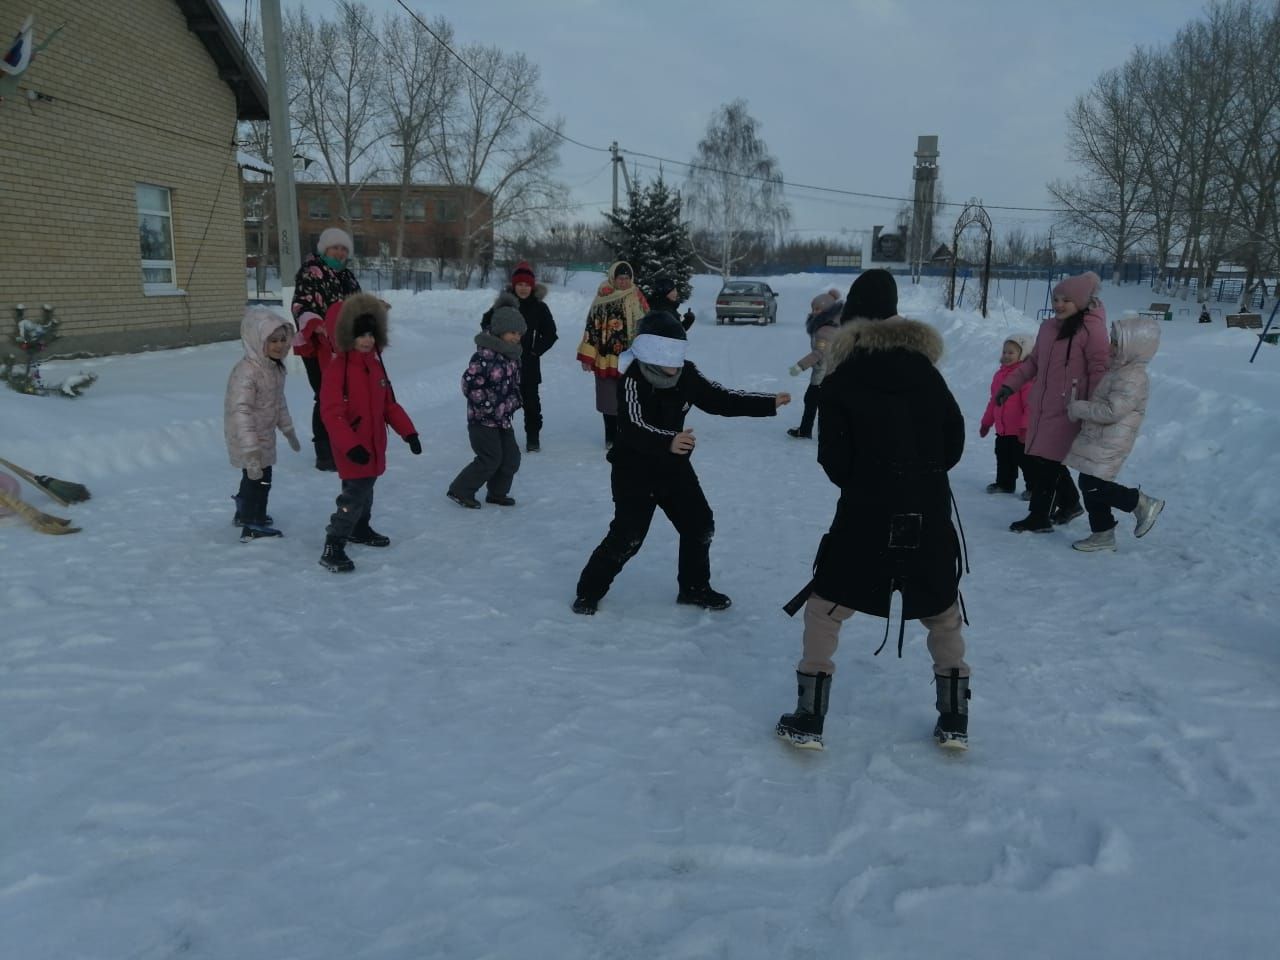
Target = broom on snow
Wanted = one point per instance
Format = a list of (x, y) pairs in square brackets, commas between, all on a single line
[(66, 492), (40, 521)]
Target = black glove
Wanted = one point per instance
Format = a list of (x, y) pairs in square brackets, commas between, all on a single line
[(1003, 394), (415, 445), (358, 454), (687, 319)]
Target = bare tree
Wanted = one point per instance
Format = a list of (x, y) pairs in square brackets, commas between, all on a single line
[(1249, 151), (419, 83), (734, 189), (335, 77), (1015, 247), (487, 142), (1207, 61), (1157, 81), (1108, 136)]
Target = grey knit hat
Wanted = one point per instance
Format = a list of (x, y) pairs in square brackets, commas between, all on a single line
[(506, 317)]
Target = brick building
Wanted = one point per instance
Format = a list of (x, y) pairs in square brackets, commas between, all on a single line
[(435, 218), (123, 174)]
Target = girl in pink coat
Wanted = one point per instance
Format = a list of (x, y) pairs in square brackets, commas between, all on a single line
[(1071, 354), (1010, 419)]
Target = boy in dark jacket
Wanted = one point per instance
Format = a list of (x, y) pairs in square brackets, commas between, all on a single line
[(357, 404), (889, 430), (651, 461), (539, 337)]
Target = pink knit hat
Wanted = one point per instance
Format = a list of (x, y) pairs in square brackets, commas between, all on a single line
[(1080, 289)]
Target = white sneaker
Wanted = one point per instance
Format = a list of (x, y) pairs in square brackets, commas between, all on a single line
[(1145, 514), (1104, 540)]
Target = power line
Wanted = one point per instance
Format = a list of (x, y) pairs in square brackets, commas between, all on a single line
[(693, 166), (521, 110)]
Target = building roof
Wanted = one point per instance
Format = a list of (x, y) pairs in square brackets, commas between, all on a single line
[(207, 21)]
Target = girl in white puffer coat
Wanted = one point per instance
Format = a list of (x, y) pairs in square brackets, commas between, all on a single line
[(1111, 419), (254, 408)]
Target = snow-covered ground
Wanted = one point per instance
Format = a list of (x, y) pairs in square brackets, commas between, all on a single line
[(218, 750)]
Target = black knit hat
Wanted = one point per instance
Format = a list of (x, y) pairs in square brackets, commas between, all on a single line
[(660, 323), (662, 285), (873, 296)]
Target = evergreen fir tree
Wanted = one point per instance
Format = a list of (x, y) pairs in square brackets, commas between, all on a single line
[(653, 238)]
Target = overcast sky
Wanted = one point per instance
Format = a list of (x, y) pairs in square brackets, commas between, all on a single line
[(841, 88)]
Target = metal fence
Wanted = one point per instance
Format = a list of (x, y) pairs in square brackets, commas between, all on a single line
[(393, 277)]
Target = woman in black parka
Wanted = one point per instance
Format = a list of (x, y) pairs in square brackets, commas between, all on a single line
[(888, 432)]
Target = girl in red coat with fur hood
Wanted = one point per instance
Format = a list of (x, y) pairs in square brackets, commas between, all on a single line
[(357, 405)]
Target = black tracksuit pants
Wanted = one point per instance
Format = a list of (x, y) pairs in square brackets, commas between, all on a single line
[(638, 491), (811, 395)]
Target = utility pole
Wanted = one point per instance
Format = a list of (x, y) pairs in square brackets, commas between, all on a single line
[(613, 149), (281, 149)]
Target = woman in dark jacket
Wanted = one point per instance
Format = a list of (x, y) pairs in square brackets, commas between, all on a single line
[(323, 280), (889, 430)]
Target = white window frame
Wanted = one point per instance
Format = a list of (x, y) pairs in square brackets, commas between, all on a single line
[(159, 289)]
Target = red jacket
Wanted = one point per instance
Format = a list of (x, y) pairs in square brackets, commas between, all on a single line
[(356, 402), (1010, 419)]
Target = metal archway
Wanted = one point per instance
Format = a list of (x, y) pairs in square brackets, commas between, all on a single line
[(973, 213)]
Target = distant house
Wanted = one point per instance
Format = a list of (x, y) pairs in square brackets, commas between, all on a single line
[(122, 174), (434, 219)]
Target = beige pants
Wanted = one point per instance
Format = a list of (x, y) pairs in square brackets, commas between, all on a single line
[(822, 621)]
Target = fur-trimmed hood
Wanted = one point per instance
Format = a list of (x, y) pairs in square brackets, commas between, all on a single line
[(357, 305), (1026, 343), (539, 291), (895, 333)]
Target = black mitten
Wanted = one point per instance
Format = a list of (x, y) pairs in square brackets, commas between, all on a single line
[(358, 454), (415, 445)]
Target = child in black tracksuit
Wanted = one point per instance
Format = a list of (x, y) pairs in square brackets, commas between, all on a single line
[(651, 461)]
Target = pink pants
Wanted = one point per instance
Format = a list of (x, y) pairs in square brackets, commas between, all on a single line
[(823, 619)]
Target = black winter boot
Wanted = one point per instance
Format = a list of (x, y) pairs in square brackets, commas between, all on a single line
[(366, 536), (239, 520), (335, 556), (803, 728), (952, 729), (704, 597)]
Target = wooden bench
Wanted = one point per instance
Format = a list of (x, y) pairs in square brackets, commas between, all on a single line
[(1157, 311), (1246, 321)]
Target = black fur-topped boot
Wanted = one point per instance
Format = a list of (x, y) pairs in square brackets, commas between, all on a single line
[(952, 729), (803, 728)]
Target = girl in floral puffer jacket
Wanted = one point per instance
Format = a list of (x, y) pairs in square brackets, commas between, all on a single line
[(491, 384), (1111, 418)]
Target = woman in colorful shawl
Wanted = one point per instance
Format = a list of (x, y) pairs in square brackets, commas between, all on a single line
[(611, 326)]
